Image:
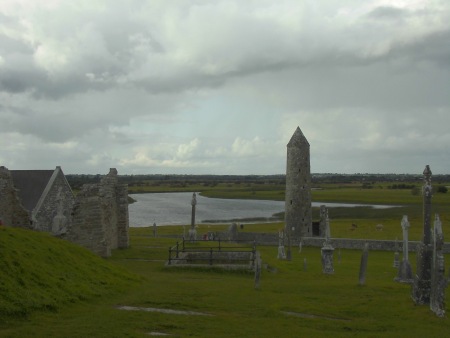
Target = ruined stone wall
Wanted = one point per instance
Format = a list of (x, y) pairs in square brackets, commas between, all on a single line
[(12, 212), (87, 222), (59, 192), (100, 216), (123, 239)]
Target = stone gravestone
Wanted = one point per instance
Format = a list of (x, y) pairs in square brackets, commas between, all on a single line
[(281, 253), (363, 265), (421, 288), (154, 229), (305, 264), (257, 270), (233, 232), (327, 249), (404, 270), (396, 263), (438, 279)]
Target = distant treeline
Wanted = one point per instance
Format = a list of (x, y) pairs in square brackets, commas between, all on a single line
[(403, 181)]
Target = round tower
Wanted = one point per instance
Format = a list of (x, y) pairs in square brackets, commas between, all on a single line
[(298, 217)]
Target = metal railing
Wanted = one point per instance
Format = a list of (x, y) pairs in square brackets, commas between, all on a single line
[(209, 253)]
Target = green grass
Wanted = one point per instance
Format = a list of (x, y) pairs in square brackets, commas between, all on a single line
[(39, 272), (52, 288), (332, 305)]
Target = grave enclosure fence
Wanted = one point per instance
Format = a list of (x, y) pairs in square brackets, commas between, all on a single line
[(212, 253)]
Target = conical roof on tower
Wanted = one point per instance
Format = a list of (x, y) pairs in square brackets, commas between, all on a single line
[(298, 139)]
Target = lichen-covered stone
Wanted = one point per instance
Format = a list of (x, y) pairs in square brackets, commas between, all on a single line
[(298, 216)]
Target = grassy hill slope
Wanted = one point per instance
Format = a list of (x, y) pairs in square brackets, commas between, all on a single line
[(40, 272)]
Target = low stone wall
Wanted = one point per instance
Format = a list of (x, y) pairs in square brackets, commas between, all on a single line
[(343, 243)]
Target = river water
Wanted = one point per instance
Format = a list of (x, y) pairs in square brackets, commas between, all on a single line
[(175, 209)]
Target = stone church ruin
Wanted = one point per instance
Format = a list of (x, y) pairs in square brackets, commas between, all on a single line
[(47, 197), (42, 200), (100, 216)]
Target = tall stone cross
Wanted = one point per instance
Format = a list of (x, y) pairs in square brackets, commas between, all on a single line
[(427, 193), (422, 281), (404, 268), (327, 228), (327, 248), (405, 227), (193, 203)]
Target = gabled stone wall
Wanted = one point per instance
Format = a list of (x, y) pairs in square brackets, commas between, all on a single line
[(12, 212), (100, 216), (57, 195)]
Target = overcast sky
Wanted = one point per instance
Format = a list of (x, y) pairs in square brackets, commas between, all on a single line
[(219, 87)]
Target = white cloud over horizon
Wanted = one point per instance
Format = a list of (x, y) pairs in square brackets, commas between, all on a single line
[(218, 87)]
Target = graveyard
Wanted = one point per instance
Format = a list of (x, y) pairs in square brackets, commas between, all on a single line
[(293, 298), (345, 277)]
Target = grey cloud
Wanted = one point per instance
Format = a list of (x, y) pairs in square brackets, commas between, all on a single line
[(433, 48), (12, 46), (388, 13), (127, 45)]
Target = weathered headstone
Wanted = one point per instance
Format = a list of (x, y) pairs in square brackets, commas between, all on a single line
[(421, 288), (396, 263), (327, 260), (438, 279), (404, 270), (300, 245), (327, 249), (233, 232), (281, 253), (305, 264), (363, 265)]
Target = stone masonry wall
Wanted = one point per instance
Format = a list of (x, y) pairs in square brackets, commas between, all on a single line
[(12, 212), (343, 243), (60, 192), (100, 216), (298, 214)]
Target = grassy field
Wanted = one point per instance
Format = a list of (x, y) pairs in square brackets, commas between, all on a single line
[(51, 288), (290, 302)]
